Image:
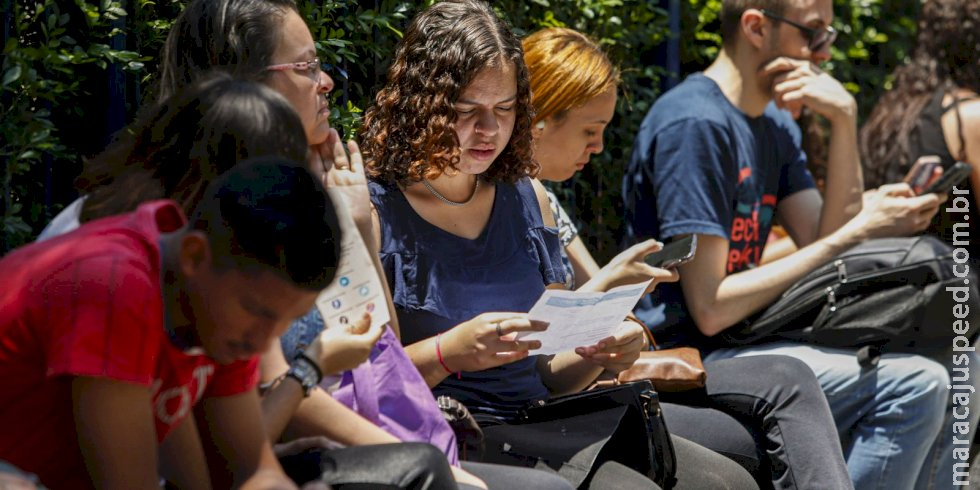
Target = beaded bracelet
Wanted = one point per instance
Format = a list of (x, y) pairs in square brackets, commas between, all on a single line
[(442, 362)]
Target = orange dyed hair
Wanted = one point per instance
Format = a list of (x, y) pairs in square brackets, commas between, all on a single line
[(567, 70)]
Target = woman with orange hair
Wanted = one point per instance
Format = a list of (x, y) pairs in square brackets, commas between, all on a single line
[(775, 399)]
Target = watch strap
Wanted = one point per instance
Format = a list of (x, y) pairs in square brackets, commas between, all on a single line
[(306, 372)]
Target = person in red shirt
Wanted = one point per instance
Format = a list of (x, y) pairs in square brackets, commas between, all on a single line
[(110, 335)]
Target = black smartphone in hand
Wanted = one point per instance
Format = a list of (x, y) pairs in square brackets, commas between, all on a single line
[(950, 177), (674, 253)]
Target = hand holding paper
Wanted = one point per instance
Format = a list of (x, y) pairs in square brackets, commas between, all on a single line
[(579, 319), (357, 289)]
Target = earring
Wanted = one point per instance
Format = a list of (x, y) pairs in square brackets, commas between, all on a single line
[(540, 124)]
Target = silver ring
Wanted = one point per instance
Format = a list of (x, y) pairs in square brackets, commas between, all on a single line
[(500, 333)]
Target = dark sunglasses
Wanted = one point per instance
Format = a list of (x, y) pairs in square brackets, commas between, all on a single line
[(817, 38)]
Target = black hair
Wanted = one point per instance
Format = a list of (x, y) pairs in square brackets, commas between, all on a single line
[(271, 213), (238, 35), (180, 145)]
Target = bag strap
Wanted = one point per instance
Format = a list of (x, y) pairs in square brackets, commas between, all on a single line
[(869, 355), (651, 342), (900, 276), (959, 128)]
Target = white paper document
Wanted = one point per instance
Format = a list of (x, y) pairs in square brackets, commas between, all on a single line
[(579, 319), (356, 288)]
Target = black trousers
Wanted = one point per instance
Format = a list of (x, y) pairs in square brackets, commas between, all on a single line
[(407, 465), (769, 414)]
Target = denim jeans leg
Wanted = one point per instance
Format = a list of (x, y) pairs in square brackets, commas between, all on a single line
[(937, 474), (887, 416)]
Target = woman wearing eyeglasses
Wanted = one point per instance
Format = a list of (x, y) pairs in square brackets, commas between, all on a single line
[(274, 47)]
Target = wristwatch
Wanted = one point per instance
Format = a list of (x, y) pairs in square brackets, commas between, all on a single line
[(304, 370)]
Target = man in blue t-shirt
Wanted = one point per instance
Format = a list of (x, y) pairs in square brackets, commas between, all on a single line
[(719, 156)]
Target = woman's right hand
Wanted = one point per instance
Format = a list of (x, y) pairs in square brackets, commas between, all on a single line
[(339, 349), (488, 341)]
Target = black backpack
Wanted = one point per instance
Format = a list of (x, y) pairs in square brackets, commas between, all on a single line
[(882, 295)]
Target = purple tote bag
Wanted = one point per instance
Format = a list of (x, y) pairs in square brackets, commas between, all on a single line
[(389, 391)]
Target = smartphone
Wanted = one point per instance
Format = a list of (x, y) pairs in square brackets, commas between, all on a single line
[(674, 253), (921, 172), (951, 176)]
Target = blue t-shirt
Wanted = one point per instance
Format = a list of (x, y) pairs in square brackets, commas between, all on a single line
[(439, 280), (700, 165)]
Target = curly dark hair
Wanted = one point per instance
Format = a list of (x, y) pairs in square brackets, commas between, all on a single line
[(409, 133), (946, 57)]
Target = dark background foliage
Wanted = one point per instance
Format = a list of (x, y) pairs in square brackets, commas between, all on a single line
[(75, 71)]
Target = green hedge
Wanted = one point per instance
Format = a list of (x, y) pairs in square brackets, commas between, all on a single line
[(56, 80)]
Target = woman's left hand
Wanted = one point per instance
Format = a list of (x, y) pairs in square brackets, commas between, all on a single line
[(619, 351), (344, 172)]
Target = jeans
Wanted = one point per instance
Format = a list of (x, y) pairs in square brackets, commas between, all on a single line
[(887, 416), (937, 474)]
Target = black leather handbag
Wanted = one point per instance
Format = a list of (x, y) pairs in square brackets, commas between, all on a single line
[(575, 434)]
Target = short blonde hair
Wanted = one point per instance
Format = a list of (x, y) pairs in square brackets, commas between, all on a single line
[(567, 70)]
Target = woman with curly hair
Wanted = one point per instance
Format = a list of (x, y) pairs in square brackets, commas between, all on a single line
[(933, 109), (467, 238)]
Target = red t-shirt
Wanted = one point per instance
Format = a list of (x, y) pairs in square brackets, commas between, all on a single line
[(89, 303)]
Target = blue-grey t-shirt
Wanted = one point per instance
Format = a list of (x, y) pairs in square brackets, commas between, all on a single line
[(700, 165)]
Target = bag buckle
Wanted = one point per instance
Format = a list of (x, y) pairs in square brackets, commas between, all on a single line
[(831, 298), (841, 270)]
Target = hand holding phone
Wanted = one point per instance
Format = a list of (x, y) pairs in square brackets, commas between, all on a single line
[(674, 253), (951, 176)]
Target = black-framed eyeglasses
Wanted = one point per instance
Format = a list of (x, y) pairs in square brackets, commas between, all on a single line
[(817, 39), (311, 68)]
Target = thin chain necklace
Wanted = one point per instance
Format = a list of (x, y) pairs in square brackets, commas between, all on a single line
[(443, 198)]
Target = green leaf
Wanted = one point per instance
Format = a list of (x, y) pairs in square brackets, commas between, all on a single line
[(28, 155), (11, 75)]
